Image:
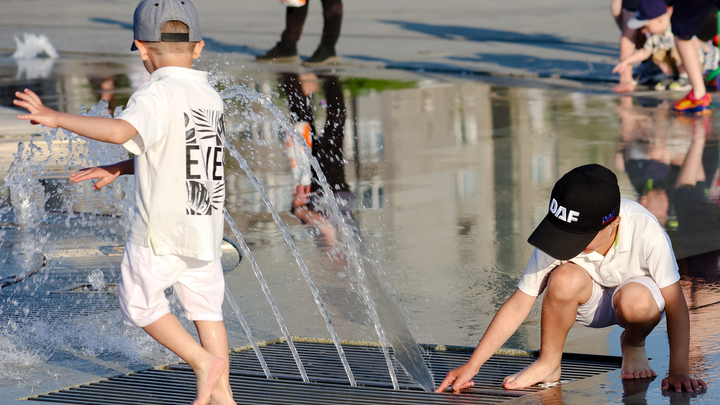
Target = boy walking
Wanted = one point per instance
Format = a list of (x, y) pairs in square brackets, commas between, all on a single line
[(601, 260), (174, 126)]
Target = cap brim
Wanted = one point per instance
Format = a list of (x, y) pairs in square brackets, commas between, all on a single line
[(557, 243), (634, 23)]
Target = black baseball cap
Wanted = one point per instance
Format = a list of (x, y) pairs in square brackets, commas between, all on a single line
[(583, 202)]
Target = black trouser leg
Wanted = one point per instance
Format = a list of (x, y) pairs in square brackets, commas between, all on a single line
[(294, 21)]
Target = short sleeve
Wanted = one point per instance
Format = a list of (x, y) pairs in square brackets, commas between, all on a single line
[(539, 266), (147, 112), (661, 260)]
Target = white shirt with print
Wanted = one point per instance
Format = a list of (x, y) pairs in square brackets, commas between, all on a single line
[(179, 171), (642, 248)]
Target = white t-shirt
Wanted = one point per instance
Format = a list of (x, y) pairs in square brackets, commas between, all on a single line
[(642, 248), (179, 171)]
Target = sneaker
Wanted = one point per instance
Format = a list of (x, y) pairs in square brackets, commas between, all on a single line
[(664, 83), (323, 56), (681, 84), (690, 105), (280, 53)]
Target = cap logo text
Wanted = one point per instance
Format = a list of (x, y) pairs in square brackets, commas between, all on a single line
[(608, 218), (562, 213)]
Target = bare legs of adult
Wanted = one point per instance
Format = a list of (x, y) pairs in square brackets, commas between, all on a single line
[(689, 54)]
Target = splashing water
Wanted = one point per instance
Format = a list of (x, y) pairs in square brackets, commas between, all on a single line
[(268, 295), (406, 349)]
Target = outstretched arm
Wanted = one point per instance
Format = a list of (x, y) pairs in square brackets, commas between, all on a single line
[(508, 318), (639, 56), (678, 330), (104, 174), (102, 129)]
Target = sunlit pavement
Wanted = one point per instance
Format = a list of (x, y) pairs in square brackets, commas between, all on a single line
[(523, 109)]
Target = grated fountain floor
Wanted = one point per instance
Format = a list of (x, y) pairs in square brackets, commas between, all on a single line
[(175, 383)]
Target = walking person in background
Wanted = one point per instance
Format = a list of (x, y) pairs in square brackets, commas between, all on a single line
[(285, 51)]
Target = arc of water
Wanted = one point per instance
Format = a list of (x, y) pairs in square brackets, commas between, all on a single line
[(298, 258), (419, 372), (351, 239), (248, 332), (263, 284)]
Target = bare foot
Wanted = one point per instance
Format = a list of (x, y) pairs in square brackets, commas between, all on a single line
[(222, 394), (627, 87), (206, 379), (535, 373), (635, 363)]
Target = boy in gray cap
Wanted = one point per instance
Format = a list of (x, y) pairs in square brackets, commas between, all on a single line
[(601, 261), (174, 126)]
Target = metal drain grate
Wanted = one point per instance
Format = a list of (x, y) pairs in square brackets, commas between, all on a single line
[(175, 384), (28, 308)]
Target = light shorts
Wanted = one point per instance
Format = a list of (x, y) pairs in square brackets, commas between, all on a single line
[(598, 311), (199, 285)]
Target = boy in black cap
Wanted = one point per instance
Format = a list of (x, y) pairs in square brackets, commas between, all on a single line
[(174, 126), (601, 261)]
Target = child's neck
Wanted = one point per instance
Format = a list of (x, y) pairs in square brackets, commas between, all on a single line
[(605, 248)]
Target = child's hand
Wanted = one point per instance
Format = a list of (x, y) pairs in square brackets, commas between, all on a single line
[(39, 114), (679, 382), (460, 379), (619, 67), (104, 174)]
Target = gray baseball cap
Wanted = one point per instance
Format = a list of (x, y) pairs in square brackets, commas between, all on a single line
[(150, 15)]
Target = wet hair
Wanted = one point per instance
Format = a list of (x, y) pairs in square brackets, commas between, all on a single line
[(162, 48)]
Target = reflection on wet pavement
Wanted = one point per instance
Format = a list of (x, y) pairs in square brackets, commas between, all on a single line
[(444, 179)]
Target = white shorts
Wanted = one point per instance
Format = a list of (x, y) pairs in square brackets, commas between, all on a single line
[(598, 311), (199, 285)]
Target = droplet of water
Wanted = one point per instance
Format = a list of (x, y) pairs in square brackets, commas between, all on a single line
[(97, 280)]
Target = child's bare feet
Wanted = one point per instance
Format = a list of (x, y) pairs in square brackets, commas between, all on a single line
[(206, 379), (624, 87), (222, 394), (635, 363), (535, 373)]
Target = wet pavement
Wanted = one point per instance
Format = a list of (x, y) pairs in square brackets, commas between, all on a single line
[(449, 174)]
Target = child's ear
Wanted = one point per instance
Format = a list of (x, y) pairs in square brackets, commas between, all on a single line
[(142, 49), (198, 49)]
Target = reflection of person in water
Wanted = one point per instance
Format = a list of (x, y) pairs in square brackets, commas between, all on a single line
[(650, 157), (327, 149), (672, 162), (696, 197), (310, 205)]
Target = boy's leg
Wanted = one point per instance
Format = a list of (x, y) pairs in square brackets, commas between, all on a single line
[(213, 338), (637, 310), (569, 286), (207, 366)]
